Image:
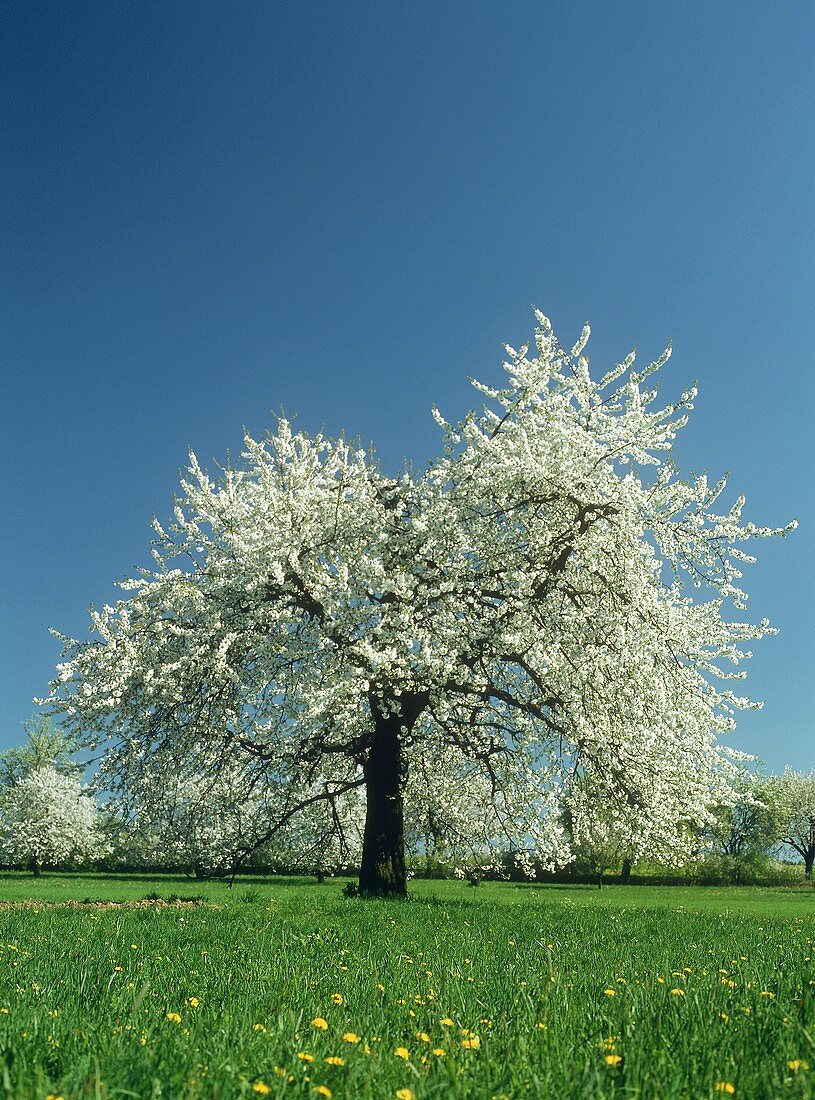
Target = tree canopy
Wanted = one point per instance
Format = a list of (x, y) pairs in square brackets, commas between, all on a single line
[(550, 595)]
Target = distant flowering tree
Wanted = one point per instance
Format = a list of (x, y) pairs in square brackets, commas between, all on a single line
[(748, 825), (601, 828), (210, 817), (46, 818), (527, 602), (793, 794)]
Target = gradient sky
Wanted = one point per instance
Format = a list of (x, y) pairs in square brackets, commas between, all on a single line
[(210, 211)]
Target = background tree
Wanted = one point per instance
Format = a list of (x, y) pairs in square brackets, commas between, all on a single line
[(748, 825), (45, 745), (48, 818), (793, 794), (524, 601), (599, 830)]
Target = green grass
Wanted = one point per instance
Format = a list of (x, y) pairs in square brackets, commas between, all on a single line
[(524, 970)]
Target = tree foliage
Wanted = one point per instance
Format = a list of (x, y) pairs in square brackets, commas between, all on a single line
[(46, 745), (549, 595)]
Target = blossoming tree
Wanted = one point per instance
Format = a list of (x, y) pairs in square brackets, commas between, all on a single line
[(524, 603), (47, 817)]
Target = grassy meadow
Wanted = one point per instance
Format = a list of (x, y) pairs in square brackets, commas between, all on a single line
[(284, 988)]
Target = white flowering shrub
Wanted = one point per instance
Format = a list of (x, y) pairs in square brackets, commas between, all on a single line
[(549, 594), (47, 818)]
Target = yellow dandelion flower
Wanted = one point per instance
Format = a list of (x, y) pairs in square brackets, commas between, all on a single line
[(471, 1044), (447, 1022), (724, 1016), (425, 1038), (724, 1086), (258, 1027), (440, 1052), (305, 1057), (797, 1063), (173, 1017), (404, 1094), (323, 1090), (193, 1002), (610, 992), (402, 1052), (335, 1060), (336, 998), (351, 1037), (677, 992), (612, 1059), (261, 1088), (319, 1023)]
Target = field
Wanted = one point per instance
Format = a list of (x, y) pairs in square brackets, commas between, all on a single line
[(287, 989)]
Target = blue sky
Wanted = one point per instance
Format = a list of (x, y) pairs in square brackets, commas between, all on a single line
[(211, 211)]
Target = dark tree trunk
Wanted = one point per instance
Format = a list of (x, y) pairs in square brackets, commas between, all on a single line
[(625, 873), (809, 859), (36, 869), (383, 872)]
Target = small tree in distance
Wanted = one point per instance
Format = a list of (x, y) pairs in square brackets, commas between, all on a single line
[(527, 603), (201, 820), (46, 818), (794, 797)]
